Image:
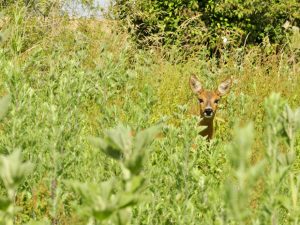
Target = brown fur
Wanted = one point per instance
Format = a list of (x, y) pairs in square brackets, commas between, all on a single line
[(208, 100)]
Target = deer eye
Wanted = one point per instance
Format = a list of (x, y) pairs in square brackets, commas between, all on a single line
[(200, 100), (216, 101)]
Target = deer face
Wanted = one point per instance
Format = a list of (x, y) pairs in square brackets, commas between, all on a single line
[(208, 100)]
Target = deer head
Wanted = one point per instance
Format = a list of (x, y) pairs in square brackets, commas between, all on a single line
[(208, 101)]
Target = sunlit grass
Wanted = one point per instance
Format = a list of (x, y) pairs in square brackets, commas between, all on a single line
[(70, 79)]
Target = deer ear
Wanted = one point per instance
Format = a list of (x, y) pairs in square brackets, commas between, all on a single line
[(224, 87), (195, 84)]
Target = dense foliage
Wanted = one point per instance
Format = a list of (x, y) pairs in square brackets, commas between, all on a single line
[(94, 130), (209, 22)]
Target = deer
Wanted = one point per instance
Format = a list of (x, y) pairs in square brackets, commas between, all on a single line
[(208, 102)]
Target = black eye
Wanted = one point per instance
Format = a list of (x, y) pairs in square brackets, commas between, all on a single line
[(216, 101), (200, 100)]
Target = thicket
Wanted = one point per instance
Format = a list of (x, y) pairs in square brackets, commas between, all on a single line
[(94, 130), (209, 23)]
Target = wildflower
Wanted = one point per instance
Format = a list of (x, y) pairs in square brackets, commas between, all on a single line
[(286, 25), (224, 40)]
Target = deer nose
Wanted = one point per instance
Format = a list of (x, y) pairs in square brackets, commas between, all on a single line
[(208, 112)]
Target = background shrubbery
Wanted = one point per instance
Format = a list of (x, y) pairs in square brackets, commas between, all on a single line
[(70, 79), (193, 23)]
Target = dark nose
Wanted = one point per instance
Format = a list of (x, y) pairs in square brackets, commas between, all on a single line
[(208, 111)]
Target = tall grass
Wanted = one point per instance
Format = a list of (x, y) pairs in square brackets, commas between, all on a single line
[(72, 79)]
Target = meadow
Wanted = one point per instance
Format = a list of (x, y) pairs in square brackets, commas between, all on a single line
[(99, 131)]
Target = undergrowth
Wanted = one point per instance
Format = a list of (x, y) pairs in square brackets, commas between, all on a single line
[(72, 79)]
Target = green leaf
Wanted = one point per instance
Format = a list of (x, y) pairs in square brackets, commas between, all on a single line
[(106, 147), (87, 191), (106, 188), (123, 216), (4, 203), (135, 163), (97, 198), (287, 159), (240, 149), (297, 118), (102, 214), (98, 142), (256, 171), (4, 104), (117, 142), (135, 183), (120, 137), (13, 171), (127, 200), (146, 137)]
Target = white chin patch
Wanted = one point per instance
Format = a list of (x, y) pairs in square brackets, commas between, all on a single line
[(208, 117)]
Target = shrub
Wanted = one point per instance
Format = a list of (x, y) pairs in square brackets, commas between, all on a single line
[(208, 22)]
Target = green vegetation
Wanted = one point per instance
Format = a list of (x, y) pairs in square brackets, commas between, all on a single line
[(207, 23), (99, 131)]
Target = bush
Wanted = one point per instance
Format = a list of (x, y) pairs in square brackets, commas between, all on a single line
[(208, 22)]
